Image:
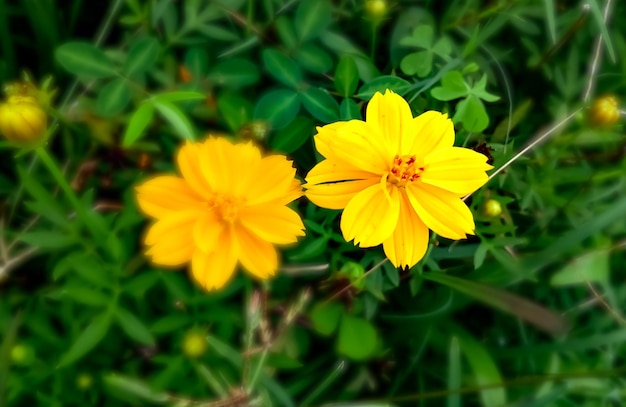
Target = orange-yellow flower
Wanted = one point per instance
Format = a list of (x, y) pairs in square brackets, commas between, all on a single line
[(395, 177), (22, 121), (228, 208)]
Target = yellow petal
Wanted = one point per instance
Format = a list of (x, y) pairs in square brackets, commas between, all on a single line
[(273, 180), (213, 270), (257, 256), (175, 226), (188, 160), (206, 231), (356, 143), (391, 114), (334, 171), (337, 195), (458, 170), (274, 224), (163, 195), (371, 216), (442, 211), (409, 241), (170, 238), (328, 131), (432, 131)]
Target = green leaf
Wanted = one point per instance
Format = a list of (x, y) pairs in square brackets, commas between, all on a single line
[(471, 112), (314, 59), (290, 138), (235, 110), (349, 110), (278, 107), (320, 104), (599, 18), (197, 61), (176, 118), (325, 317), (312, 17), (346, 76), (479, 90), (551, 18), (84, 60), (382, 83), (418, 63), (486, 372), (142, 56), (421, 37), (134, 328), (87, 340), (82, 294), (452, 87), (503, 300), (235, 73), (114, 97), (282, 68), (134, 391), (138, 122), (179, 96), (286, 32), (454, 374), (592, 267), (357, 339), (48, 239)]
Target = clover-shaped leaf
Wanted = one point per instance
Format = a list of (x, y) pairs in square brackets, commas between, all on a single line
[(420, 63)]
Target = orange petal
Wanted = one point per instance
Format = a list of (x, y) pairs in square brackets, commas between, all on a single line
[(257, 256), (337, 195), (371, 215), (391, 114), (163, 195), (442, 211), (271, 223), (213, 270), (409, 241), (432, 131), (170, 239), (458, 170)]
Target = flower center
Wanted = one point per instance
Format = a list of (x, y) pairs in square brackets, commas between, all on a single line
[(225, 207), (404, 169)]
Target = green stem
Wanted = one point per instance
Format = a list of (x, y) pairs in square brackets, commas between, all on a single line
[(257, 370), (96, 230)]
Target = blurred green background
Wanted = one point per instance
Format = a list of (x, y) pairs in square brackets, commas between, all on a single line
[(529, 312)]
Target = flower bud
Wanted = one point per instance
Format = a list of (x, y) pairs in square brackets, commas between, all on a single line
[(353, 272), (605, 111), (84, 381), (22, 354), (492, 208), (22, 121), (376, 9), (194, 344)]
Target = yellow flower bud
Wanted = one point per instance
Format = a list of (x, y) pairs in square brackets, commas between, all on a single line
[(605, 111), (22, 121), (194, 344), (84, 381), (22, 354), (376, 9), (492, 208)]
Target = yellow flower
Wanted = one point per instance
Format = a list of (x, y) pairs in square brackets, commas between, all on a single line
[(396, 176), (229, 207), (22, 121), (605, 110)]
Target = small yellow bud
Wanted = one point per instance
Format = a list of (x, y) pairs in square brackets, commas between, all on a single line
[(605, 111), (22, 121), (492, 208), (376, 9), (22, 354), (194, 344), (84, 381)]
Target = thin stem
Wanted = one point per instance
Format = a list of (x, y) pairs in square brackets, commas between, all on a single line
[(257, 370), (597, 52)]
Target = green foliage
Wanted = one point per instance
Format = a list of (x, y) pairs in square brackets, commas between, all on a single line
[(529, 311)]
